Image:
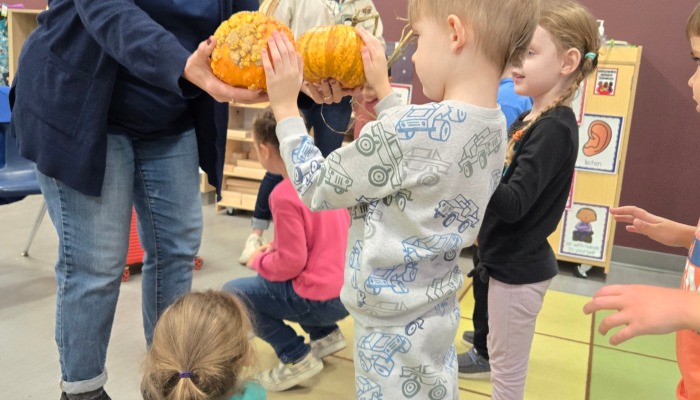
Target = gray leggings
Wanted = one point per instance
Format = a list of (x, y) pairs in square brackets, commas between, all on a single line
[(513, 311)]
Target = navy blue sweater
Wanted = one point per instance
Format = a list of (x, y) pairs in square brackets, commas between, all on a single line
[(70, 66)]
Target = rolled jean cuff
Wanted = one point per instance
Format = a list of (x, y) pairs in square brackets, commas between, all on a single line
[(85, 386), (262, 224)]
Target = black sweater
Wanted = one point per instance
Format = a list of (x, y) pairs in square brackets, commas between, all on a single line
[(528, 203)]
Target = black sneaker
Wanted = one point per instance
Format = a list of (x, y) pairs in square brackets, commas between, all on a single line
[(98, 394), (468, 338), (473, 366)]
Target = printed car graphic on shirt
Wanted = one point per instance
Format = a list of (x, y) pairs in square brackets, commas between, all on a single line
[(387, 145), (333, 174), (428, 163), (434, 119), (477, 150), (417, 248), (377, 350), (448, 284), (304, 152), (392, 278), (367, 389), (458, 209), (423, 375)]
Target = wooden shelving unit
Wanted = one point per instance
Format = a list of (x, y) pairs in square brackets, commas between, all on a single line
[(20, 23), (242, 171)]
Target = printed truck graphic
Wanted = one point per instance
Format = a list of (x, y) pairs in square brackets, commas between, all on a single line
[(423, 375), (446, 285), (377, 351), (432, 119), (429, 247), (387, 145), (333, 174), (413, 326), (428, 162), (458, 209), (478, 149), (305, 151), (392, 278), (366, 389)]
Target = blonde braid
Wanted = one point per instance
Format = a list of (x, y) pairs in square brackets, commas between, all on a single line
[(587, 66)]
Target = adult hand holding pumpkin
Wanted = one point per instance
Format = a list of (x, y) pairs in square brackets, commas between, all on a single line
[(198, 71), (284, 71), (375, 64)]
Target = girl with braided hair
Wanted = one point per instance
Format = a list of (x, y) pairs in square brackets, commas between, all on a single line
[(514, 255)]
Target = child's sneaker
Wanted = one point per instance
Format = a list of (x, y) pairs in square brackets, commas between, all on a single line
[(251, 244), (286, 376), (468, 338), (473, 366), (329, 344)]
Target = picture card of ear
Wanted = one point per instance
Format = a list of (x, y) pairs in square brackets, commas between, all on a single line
[(599, 143)]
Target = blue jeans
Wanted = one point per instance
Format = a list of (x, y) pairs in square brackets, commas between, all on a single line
[(270, 303), (327, 120), (161, 179), (262, 215)]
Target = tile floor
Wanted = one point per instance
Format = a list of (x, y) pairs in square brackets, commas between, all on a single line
[(569, 360)]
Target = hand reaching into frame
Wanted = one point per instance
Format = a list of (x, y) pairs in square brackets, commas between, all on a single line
[(644, 310), (662, 230)]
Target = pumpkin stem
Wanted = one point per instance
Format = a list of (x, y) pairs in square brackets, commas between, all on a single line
[(407, 39)]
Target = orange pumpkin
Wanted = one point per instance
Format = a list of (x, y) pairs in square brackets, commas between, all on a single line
[(333, 52), (237, 58)]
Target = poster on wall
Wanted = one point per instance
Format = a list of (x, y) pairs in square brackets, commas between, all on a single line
[(599, 143), (403, 91), (584, 231), (605, 82), (579, 101)]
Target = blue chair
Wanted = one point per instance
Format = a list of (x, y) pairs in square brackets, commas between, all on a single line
[(18, 179)]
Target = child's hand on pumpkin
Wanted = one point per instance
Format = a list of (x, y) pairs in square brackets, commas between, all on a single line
[(375, 63), (284, 70), (198, 71)]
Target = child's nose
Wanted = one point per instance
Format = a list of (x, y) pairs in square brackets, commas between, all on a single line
[(692, 78)]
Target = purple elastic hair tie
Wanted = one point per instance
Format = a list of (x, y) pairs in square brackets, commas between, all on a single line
[(185, 375)]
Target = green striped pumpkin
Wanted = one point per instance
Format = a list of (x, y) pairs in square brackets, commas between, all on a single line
[(333, 52)]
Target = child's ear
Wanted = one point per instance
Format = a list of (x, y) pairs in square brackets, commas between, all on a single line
[(460, 33), (570, 61), (263, 150)]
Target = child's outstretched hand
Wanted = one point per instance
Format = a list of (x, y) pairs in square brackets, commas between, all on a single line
[(284, 70), (375, 64), (662, 230), (644, 310)]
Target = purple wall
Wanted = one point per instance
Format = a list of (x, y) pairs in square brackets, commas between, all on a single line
[(33, 4), (661, 173)]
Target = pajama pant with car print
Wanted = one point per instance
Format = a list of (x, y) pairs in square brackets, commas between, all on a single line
[(417, 360)]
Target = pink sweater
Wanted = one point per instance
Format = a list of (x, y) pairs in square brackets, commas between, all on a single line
[(308, 248)]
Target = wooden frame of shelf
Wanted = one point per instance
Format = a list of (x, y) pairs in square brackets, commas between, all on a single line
[(20, 23), (242, 172)]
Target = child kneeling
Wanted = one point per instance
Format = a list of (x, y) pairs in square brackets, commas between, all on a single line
[(300, 274)]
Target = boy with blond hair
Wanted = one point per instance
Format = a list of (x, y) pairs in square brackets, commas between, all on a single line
[(417, 182)]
